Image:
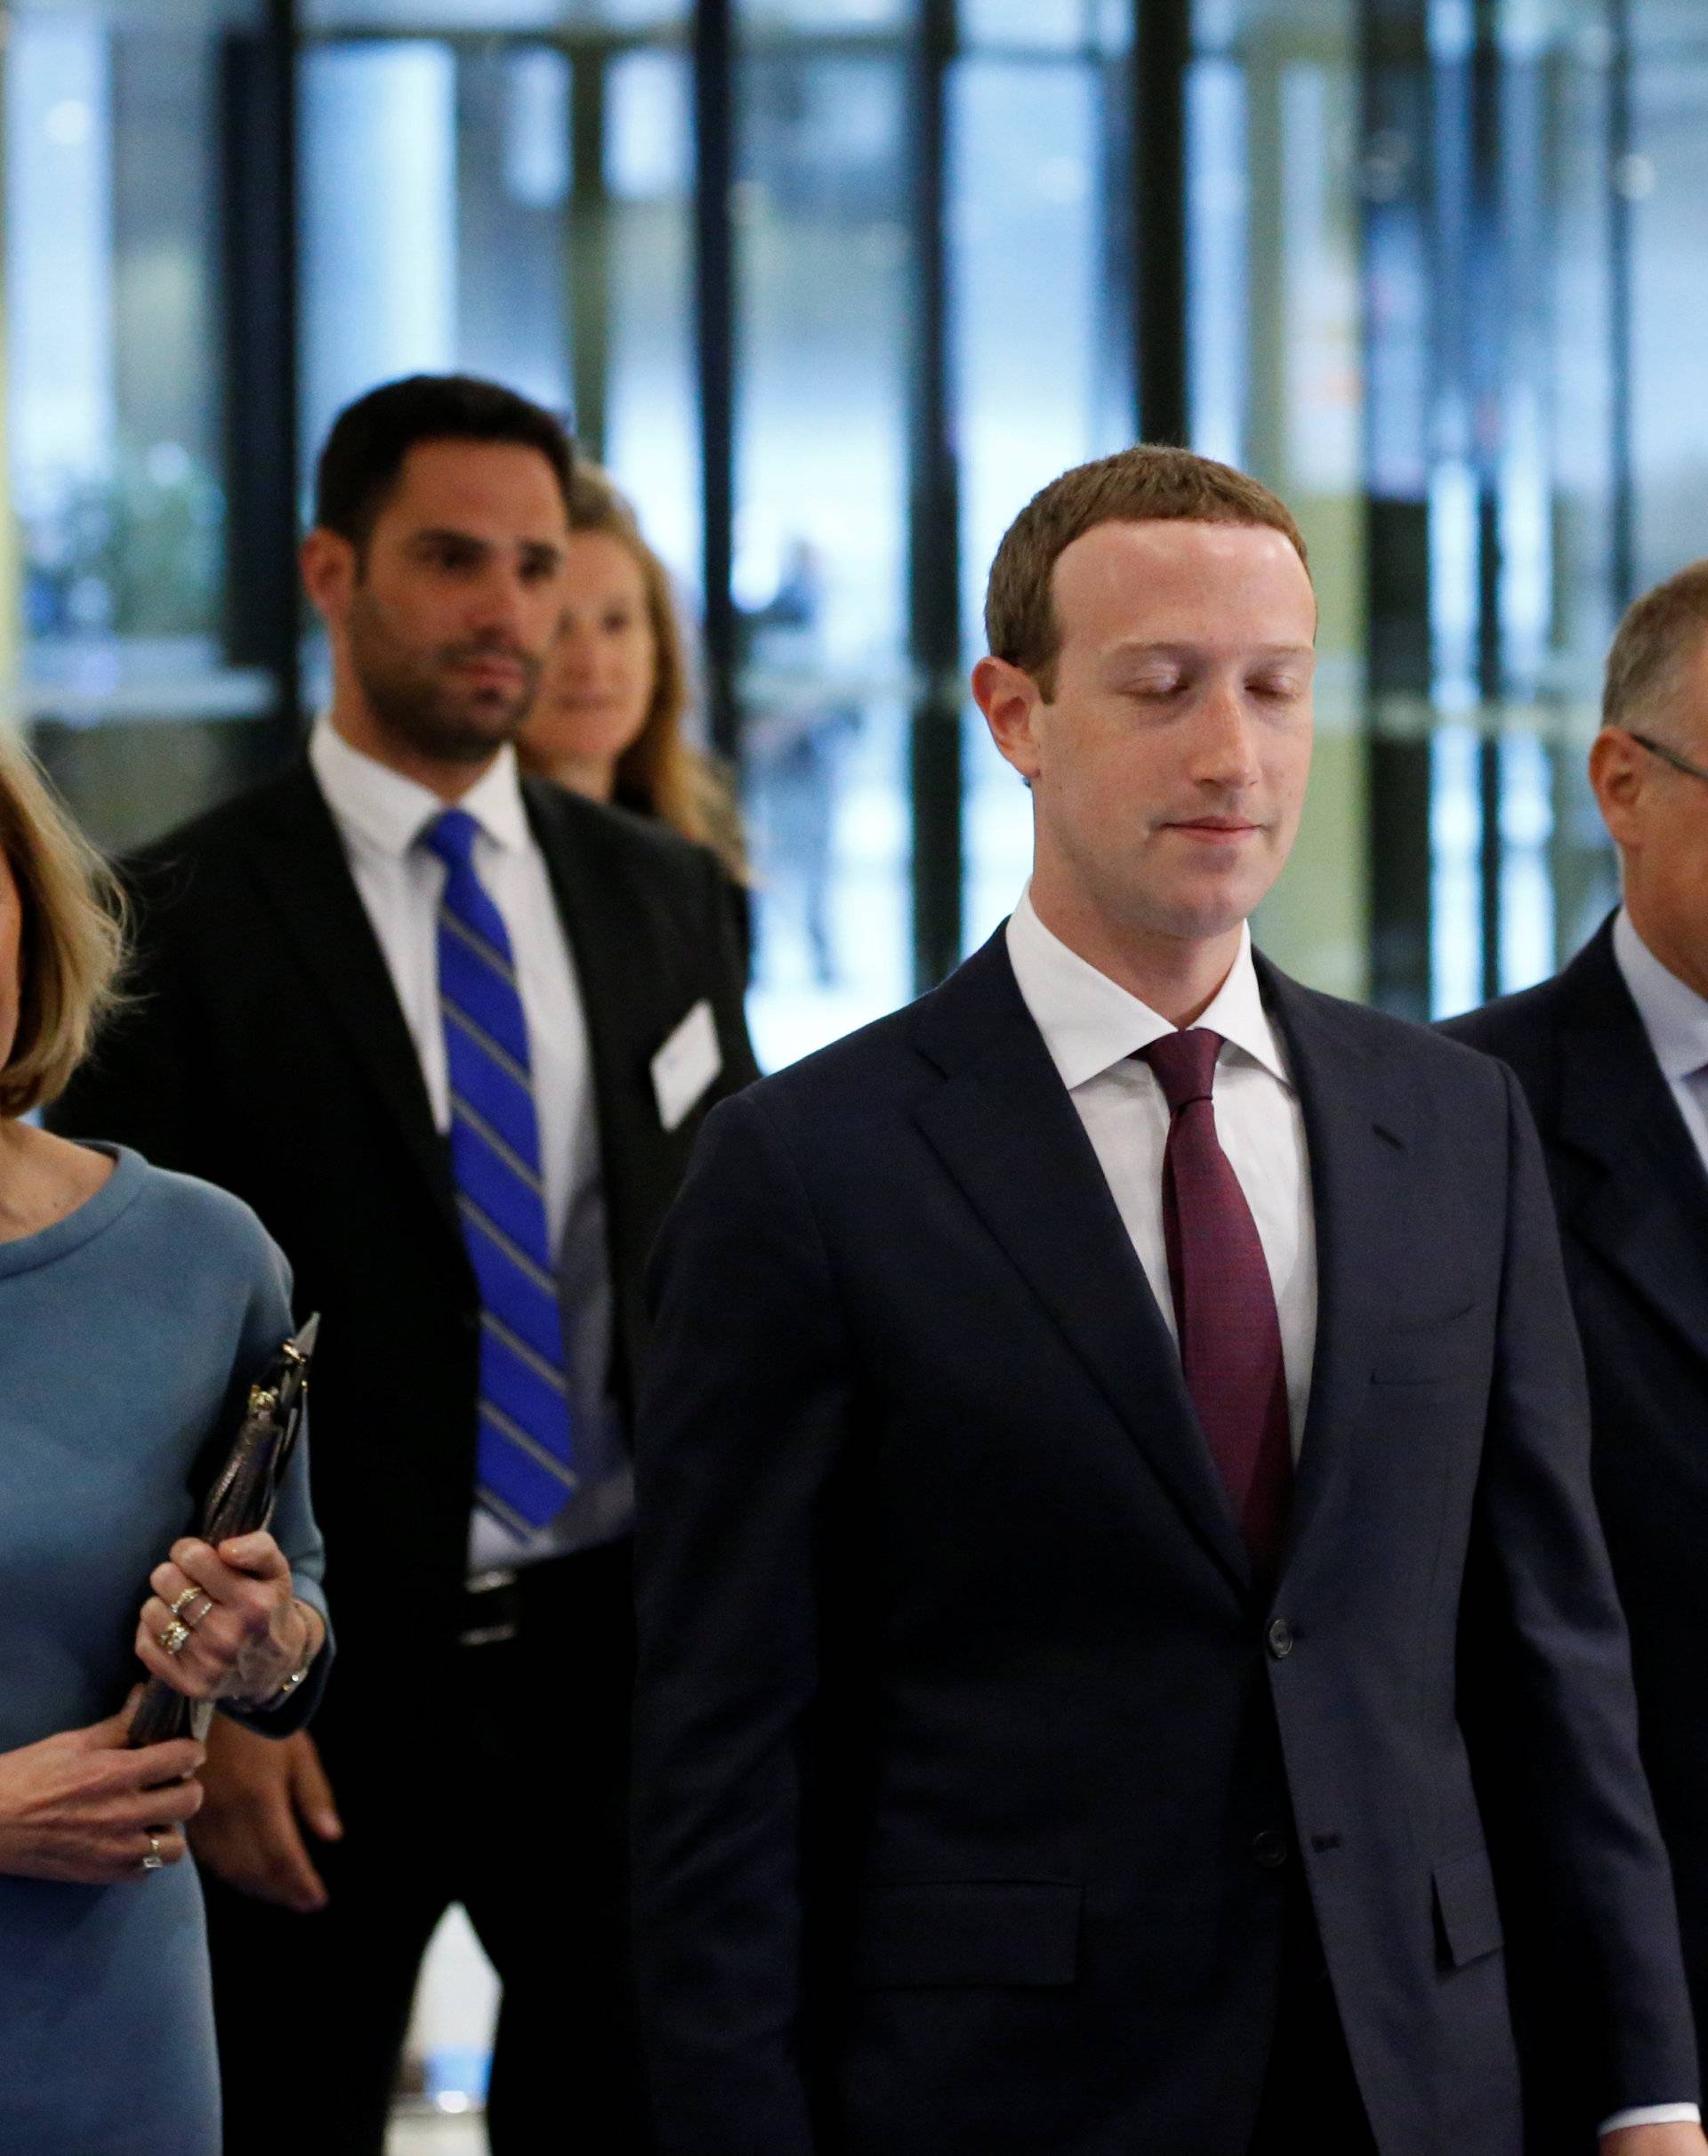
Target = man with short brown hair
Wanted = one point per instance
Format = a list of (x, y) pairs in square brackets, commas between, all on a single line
[(1146, 485), (1613, 1057), (1095, 1415)]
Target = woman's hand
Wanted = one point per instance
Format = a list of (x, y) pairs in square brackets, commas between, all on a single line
[(81, 1809), (243, 1633)]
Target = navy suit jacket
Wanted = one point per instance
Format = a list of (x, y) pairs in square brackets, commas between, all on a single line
[(1633, 1214), (972, 1766)]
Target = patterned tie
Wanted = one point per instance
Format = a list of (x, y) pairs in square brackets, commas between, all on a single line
[(1224, 1302), (524, 1462)]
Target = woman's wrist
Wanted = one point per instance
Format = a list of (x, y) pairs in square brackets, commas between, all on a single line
[(275, 1695)]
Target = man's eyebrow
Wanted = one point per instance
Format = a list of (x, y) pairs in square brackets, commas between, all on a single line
[(1135, 647), (445, 535)]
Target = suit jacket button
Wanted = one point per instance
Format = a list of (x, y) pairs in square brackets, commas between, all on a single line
[(1269, 1848), (1280, 1638)]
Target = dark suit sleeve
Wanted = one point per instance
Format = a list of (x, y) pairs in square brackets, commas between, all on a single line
[(1597, 1969), (729, 930), (743, 1420)]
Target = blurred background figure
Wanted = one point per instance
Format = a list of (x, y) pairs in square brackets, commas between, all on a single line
[(794, 743), (611, 717), (136, 1308)]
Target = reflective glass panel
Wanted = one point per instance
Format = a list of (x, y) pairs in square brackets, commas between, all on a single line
[(493, 18), (116, 407), (759, 16), (1275, 386), (651, 430), (1042, 357), (820, 540), (1492, 290), (435, 187), (1663, 179), (1094, 26)]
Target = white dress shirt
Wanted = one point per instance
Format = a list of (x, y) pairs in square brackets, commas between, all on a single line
[(381, 817), (1094, 1029), (1676, 1019)]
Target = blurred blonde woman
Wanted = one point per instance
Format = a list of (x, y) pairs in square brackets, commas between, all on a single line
[(609, 721), (135, 1308)]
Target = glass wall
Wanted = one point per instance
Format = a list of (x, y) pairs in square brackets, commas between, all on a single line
[(1040, 312), (115, 420), (823, 267), (1499, 252), (1662, 180), (1275, 384), (1440, 289)]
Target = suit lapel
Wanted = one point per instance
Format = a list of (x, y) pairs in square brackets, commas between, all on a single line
[(1007, 1132), (1645, 1205), (299, 859), (1355, 1128), (628, 1005)]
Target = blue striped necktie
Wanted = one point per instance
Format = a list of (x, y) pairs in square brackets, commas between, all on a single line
[(525, 1458)]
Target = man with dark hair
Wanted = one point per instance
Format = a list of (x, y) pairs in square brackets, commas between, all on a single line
[(1612, 1057), (370, 440), (450, 1033), (1095, 1416)]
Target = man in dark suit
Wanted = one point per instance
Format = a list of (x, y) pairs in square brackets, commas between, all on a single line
[(1613, 1057), (451, 1034), (1093, 1414)]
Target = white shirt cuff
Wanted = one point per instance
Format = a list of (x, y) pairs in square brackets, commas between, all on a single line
[(1653, 2114)]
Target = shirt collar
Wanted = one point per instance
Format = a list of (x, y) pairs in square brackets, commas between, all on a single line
[(391, 811), (1089, 1023), (1674, 1016)]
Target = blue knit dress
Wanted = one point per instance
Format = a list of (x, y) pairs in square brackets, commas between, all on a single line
[(129, 1333)]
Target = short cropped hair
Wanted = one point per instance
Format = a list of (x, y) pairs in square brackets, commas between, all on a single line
[(1138, 486), (72, 940), (365, 452), (1659, 633)]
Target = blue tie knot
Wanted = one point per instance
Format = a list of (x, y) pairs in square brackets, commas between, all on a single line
[(452, 837)]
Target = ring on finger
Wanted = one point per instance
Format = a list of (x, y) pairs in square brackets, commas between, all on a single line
[(172, 1640), (192, 1618), (154, 1861), (184, 1600)]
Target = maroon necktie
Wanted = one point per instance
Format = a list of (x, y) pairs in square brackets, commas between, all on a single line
[(1224, 1305)]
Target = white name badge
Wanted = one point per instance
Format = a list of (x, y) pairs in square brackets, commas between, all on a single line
[(686, 1065)]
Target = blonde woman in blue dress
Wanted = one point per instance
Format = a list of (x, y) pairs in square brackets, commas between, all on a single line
[(135, 1308)]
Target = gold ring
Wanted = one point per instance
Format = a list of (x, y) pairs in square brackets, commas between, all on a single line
[(188, 1596), (172, 1638), (193, 1618), (154, 1861)]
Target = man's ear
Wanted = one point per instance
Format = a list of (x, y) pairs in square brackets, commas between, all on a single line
[(330, 572), (1011, 701), (1618, 774)]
